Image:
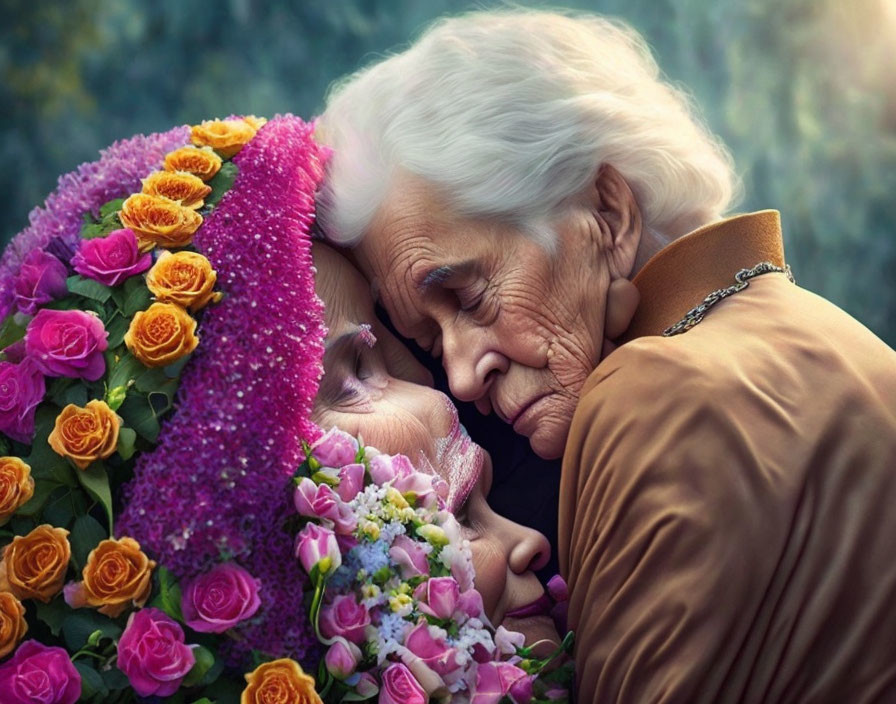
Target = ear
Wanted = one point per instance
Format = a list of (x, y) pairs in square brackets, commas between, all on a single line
[(619, 218)]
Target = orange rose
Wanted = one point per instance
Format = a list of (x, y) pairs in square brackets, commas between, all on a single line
[(34, 565), (159, 221), (226, 137), (279, 682), (180, 186), (185, 278), (116, 576), (12, 623), (16, 486), (161, 334), (203, 162), (85, 434)]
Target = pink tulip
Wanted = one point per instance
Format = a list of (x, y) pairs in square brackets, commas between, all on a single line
[(409, 556), (335, 449), (345, 618), (342, 658), (320, 501), (367, 686), (351, 481), (435, 653), (386, 468), (400, 687), (470, 603), (316, 546), (495, 680), (438, 596), (507, 642)]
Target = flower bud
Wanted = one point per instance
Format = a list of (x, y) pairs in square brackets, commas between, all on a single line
[(342, 658)]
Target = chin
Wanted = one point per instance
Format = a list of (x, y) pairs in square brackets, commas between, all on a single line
[(537, 629), (549, 440)]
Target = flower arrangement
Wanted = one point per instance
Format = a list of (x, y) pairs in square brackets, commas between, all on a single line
[(393, 588), (151, 553)]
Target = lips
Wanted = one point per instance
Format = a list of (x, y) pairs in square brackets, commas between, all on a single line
[(542, 605), (515, 416)]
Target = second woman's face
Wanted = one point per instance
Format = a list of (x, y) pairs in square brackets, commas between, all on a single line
[(374, 388)]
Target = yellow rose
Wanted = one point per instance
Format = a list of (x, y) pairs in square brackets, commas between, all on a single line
[(279, 682), (12, 623), (185, 188), (161, 334), (116, 576), (185, 278), (255, 122), (226, 137), (203, 162), (16, 486), (159, 221), (85, 434), (34, 565)]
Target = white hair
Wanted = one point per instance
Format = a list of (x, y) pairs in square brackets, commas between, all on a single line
[(510, 113)]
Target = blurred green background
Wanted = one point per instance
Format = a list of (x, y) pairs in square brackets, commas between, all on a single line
[(803, 91)]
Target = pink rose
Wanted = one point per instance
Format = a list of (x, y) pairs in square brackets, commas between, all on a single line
[(111, 259), (438, 596), (22, 388), (435, 653), (219, 599), (40, 280), (342, 658), (316, 546), (320, 501), (495, 680), (67, 343), (38, 673), (344, 618), (152, 653), (400, 687), (409, 556), (335, 449), (351, 481)]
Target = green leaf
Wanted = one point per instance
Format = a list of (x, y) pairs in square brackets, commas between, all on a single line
[(169, 596), (111, 208), (224, 690), (126, 439), (221, 183), (204, 700), (88, 288), (52, 614), (76, 394), (117, 327), (137, 296), (126, 369), (10, 332), (205, 660), (81, 623), (60, 510), (85, 536), (150, 380), (115, 679), (96, 481), (139, 415), (43, 460), (92, 683), (42, 490)]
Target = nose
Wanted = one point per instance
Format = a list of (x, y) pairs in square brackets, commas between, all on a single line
[(529, 549), (470, 362)]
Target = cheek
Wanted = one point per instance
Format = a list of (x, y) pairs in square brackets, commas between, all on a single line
[(385, 429), (491, 573)]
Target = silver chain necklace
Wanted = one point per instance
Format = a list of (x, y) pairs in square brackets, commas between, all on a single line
[(742, 279)]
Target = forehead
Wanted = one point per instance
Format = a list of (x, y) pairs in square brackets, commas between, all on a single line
[(345, 293)]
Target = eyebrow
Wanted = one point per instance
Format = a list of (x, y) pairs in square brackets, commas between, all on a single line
[(439, 275)]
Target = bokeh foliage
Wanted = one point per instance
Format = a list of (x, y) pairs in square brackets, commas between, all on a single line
[(803, 91)]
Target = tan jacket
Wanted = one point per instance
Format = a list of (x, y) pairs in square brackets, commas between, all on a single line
[(728, 498)]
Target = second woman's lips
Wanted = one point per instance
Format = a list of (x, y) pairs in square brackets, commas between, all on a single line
[(542, 605)]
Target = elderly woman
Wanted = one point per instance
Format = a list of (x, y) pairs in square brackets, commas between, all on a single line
[(525, 193)]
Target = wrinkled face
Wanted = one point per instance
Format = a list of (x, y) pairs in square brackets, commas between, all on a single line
[(373, 387), (518, 329)]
